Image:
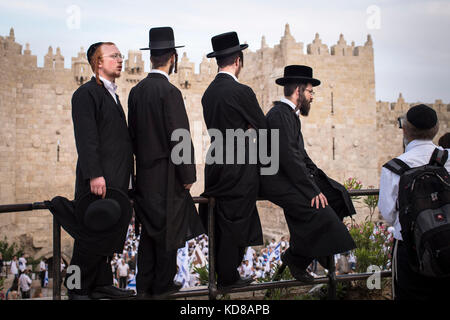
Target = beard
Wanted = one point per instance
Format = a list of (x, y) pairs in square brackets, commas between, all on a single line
[(304, 105)]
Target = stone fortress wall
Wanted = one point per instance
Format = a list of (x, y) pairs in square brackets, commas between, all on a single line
[(347, 134)]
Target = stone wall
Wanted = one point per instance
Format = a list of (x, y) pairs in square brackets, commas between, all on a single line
[(37, 149)]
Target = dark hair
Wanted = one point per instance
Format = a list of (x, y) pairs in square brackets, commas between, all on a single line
[(159, 58), (224, 61), (413, 133), (444, 141), (289, 88)]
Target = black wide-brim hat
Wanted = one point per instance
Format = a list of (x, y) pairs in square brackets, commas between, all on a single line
[(297, 74), (225, 44), (102, 215), (161, 38)]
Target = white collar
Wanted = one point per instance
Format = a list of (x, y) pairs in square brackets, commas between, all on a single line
[(416, 143), (291, 104), (229, 73), (111, 86), (160, 72)]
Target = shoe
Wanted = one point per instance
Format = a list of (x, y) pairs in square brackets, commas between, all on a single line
[(173, 288), (241, 282), (111, 292), (74, 296), (298, 273)]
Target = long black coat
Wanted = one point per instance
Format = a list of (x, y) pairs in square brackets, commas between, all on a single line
[(104, 149), (166, 209), (227, 104), (315, 232)]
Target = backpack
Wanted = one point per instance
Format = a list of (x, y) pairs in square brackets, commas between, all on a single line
[(423, 204)]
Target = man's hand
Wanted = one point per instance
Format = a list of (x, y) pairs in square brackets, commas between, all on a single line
[(320, 199), (98, 186), (187, 186)]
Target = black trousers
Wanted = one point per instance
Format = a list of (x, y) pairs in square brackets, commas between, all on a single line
[(409, 285), (42, 278), (95, 270), (123, 282), (228, 258), (156, 267)]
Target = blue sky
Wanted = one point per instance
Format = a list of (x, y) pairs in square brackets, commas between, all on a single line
[(411, 37)]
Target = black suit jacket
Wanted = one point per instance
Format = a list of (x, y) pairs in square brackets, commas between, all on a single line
[(228, 104), (155, 109)]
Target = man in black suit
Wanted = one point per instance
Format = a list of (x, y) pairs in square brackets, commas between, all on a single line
[(105, 159), (228, 104), (163, 203), (313, 203)]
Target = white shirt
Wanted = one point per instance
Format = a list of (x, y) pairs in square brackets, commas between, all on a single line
[(110, 86), (14, 267), (22, 263), (160, 72), (229, 73), (417, 153), (123, 270), (42, 266), (24, 282), (291, 104)]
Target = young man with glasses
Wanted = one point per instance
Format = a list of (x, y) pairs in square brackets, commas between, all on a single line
[(105, 160), (313, 203)]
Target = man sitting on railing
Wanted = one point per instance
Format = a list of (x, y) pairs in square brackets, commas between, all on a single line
[(300, 188)]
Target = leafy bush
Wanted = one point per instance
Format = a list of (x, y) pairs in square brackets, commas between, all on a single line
[(9, 251), (203, 275), (373, 246)]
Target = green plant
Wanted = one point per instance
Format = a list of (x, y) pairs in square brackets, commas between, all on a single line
[(353, 184), (9, 251), (203, 274), (373, 246), (371, 202)]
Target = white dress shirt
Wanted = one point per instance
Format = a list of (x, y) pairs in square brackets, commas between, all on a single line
[(229, 73), (417, 153), (110, 86), (24, 282), (291, 104), (160, 72)]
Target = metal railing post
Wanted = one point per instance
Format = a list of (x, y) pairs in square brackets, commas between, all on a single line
[(56, 260), (332, 278), (212, 287)]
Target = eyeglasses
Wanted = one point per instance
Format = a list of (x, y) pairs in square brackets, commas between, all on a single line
[(311, 92), (116, 56)]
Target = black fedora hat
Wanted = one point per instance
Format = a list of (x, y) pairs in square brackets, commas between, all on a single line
[(225, 44), (161, 38), (101, 215), (296, 74)]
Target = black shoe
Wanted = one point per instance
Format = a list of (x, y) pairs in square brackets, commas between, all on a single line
[(173, 288), (298, 273), (241, 282), (74, 296), (111, 292)]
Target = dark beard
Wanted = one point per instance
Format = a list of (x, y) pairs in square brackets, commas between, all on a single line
[(303, 105)]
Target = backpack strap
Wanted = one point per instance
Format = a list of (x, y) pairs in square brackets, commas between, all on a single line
[(397, 166), (439, 157)]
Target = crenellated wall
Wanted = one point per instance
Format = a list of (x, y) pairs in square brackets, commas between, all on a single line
[(347, 132)]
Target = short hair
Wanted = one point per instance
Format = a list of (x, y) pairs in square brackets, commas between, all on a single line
[(223, 61), (160, 59), (289, 88), (413, 133), (96, 58)]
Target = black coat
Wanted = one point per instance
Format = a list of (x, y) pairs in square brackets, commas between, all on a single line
[(104, 149), (227, 104), (164, 207), (320, 232)]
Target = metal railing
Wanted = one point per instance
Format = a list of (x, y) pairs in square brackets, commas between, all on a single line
[(331, 279)]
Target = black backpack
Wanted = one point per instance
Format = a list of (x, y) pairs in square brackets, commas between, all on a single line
[(423, 204)]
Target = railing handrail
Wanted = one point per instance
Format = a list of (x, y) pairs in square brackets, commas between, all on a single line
[(212, 291)]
